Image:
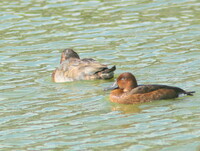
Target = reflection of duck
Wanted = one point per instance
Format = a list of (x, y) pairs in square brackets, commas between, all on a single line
[(126, 108), (128, 92), (73, 68)]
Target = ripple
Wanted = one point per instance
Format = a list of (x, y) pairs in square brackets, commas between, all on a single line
[(156, 40)]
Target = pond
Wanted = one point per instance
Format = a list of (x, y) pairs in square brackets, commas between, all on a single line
[(157, 40)]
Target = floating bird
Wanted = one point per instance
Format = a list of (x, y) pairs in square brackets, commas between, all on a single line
[(127, 91), (73, 68)]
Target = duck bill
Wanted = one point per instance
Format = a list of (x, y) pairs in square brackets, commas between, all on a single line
[(112, 87)]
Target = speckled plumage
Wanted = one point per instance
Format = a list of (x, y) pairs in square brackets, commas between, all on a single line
[(73, 68)]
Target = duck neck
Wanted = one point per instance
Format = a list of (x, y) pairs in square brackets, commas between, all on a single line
[(65, 58)]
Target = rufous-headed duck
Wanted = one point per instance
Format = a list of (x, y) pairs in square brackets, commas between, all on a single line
[(127, 91)]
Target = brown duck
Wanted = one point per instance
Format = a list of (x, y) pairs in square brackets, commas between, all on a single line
[(127, 91)]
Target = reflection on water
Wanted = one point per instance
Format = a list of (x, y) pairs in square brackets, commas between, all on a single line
[(126, 109), (158, 41)]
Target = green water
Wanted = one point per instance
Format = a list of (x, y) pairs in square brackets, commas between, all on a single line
[(157, 40)]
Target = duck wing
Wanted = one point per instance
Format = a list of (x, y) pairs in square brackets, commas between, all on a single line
[(90, 66), (82, 69), (150, 88)]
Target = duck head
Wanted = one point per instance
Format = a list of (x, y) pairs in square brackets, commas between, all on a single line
[(126, 82), (68, 53)]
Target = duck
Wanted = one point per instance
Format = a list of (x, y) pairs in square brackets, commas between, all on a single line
[(73, 68), (126, 91)]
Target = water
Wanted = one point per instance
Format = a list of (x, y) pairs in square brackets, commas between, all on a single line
[(157, 40)]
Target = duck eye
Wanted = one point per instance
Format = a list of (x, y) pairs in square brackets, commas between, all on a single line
[(123, 78)]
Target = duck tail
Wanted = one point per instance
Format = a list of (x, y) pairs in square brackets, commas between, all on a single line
[(107, 73), (190, 93), (110, 70)]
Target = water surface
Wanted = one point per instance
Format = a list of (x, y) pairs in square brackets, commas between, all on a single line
[(156, 40)]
